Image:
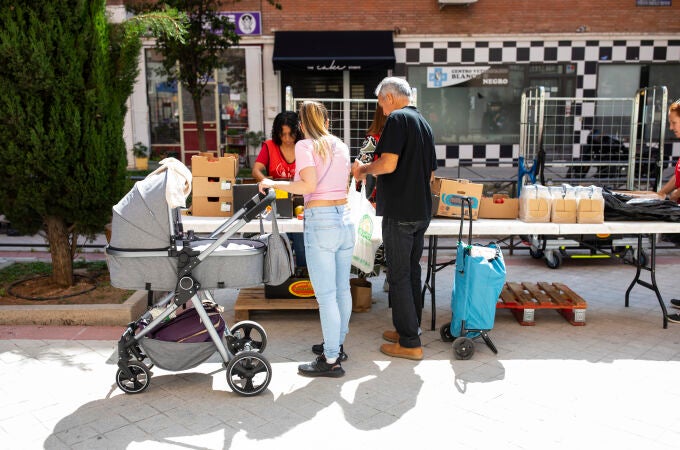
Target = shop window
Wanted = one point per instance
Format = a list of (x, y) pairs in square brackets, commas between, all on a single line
[(481, 104), (233, 102), (163, 104)]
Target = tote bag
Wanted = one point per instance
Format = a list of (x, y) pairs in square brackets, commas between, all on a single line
[(278, 259), (368, 235)]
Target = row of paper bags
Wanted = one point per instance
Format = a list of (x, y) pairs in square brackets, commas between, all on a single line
[(561, 204)]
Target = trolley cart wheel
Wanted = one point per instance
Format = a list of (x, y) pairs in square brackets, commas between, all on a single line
[(535, 253), (141, 377), (249, 373), (445, 333), (463, 348), (553, 259), (489, 342), (246, 336)]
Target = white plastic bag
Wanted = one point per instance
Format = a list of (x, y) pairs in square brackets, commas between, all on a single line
[(368, 235)]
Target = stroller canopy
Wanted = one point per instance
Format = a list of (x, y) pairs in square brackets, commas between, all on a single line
[(142, 219)]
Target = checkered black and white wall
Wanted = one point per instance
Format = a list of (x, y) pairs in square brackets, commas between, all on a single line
[(586, 54)]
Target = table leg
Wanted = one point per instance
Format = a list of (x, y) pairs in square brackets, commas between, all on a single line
[(431, 273), (652, 269)]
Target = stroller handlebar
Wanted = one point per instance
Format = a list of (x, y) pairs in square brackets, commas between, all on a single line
[(257, 204)]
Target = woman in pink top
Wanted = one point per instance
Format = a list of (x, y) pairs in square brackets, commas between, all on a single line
[(321, 175)]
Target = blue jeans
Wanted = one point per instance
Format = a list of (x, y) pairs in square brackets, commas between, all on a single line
[(329, 242), (404, 242)]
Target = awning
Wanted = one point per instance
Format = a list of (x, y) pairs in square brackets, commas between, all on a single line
[(333, 50)]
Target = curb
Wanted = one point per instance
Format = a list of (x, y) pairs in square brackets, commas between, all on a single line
[(105, 314)]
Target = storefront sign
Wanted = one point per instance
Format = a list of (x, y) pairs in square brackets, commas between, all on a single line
[(247, 23), (654, 3), (473, 76)]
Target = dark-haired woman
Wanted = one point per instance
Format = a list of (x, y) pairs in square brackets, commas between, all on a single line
[(277, 160)]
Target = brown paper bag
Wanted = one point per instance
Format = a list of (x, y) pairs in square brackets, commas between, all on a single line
[(361, 294)]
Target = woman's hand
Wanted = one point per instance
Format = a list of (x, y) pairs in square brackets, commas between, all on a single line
[(674, 195), (265, 184)]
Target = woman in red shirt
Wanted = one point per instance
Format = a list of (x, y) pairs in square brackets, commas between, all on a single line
[(277, 156), (277, 160)]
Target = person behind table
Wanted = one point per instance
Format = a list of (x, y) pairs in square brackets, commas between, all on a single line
[(671, 189), (405, 169), (321, 175), (277, 159), (367, 151)]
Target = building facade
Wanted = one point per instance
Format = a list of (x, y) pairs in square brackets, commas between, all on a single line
[(469, 60)]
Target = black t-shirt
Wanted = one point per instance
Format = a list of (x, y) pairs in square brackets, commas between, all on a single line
[(405, 193)]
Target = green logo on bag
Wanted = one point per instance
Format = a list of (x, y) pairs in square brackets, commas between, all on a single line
[(365, 228)]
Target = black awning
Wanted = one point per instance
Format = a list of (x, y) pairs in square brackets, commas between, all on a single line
[(333, 50)]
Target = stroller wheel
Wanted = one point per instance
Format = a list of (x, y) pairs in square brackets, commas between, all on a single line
[(463, 348), (249, 373), (247, 336), (141, 377), (445, 333)]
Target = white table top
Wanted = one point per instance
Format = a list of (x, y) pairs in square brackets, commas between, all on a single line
[(482, 227)]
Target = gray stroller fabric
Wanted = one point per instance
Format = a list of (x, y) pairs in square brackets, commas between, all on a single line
[(141, 219), (141, 229), (223, 269), (175, 355)]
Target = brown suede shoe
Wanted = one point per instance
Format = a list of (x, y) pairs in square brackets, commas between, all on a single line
[(391, 336), (398, 351)]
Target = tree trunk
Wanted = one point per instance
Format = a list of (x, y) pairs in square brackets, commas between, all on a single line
[(200, 127), (60, 250)]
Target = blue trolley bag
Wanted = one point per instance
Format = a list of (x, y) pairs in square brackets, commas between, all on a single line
[(478, 282)]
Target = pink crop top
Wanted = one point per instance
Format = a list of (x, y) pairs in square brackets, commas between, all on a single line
[(332, 174)]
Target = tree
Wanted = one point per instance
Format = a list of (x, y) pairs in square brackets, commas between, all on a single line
[(66, 74), (194, 61)]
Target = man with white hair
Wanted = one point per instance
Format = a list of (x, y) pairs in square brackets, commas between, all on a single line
[(405, 170)]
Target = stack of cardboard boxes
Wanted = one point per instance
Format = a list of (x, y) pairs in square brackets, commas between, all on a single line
[(561, 204), (213, 184)]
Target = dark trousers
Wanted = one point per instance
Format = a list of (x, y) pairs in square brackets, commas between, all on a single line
[(404, 241), (297, 241)]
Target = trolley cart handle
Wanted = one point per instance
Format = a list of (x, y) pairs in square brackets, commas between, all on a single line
[(464, 200)]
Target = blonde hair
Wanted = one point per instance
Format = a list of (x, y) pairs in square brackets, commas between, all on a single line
[(675, 108), (314, 116)]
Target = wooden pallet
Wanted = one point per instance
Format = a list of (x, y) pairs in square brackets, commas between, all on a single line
[(252, 299), (523, 299)]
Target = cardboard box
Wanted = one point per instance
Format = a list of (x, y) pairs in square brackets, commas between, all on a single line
[(213, 187), (293, 287), (207, 165), (500, 206), (590, 210), (212, 206), (534, 210), (445, 201), (563, 210)]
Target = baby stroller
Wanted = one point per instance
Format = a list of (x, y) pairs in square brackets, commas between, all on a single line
[(149, 250), (478, 281)]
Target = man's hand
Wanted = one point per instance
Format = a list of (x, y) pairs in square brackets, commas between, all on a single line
[(357, 172)]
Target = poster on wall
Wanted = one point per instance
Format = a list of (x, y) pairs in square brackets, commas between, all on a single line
[(472, 76), (246, 23), (653, 2)]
